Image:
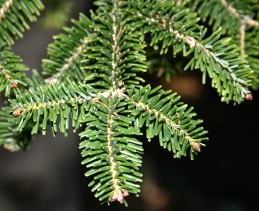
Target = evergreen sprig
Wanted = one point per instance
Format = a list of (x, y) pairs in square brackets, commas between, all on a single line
[(95, 80), (168, 119), (211, 56), (66, 53), (10, 138), (14, 16), (47, 103), (239, 20), (12, 76), (111, 150)]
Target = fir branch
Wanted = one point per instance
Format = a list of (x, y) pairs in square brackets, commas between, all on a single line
[(252, 50), (233, 20), (68, 63), (241, 18), (5, 8), (10, 138), (117, 32), (93, 80), (13, 15), (231, 9), (236, 20), (244, 21), (66, 53), (47, 103), (111, 151), (209, 54), (122, 52), (168, 119), (232, 13), (12, 78)]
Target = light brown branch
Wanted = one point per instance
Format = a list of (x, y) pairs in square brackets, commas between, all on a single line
[(230, 9), (118, 33), (178, 2), (252, 22), (242, 29)]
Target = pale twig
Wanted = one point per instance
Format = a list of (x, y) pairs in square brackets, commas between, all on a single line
[(242, 29), (118, 33)]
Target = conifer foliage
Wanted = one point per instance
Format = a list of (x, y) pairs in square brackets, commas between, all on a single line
[(93, 80)]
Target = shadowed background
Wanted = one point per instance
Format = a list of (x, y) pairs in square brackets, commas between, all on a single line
[(223, 177)]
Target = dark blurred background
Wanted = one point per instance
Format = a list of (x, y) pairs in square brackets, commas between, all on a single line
[(223, 177)]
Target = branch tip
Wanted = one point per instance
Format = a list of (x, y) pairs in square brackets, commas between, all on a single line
[(249, 96), (119, 196)]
